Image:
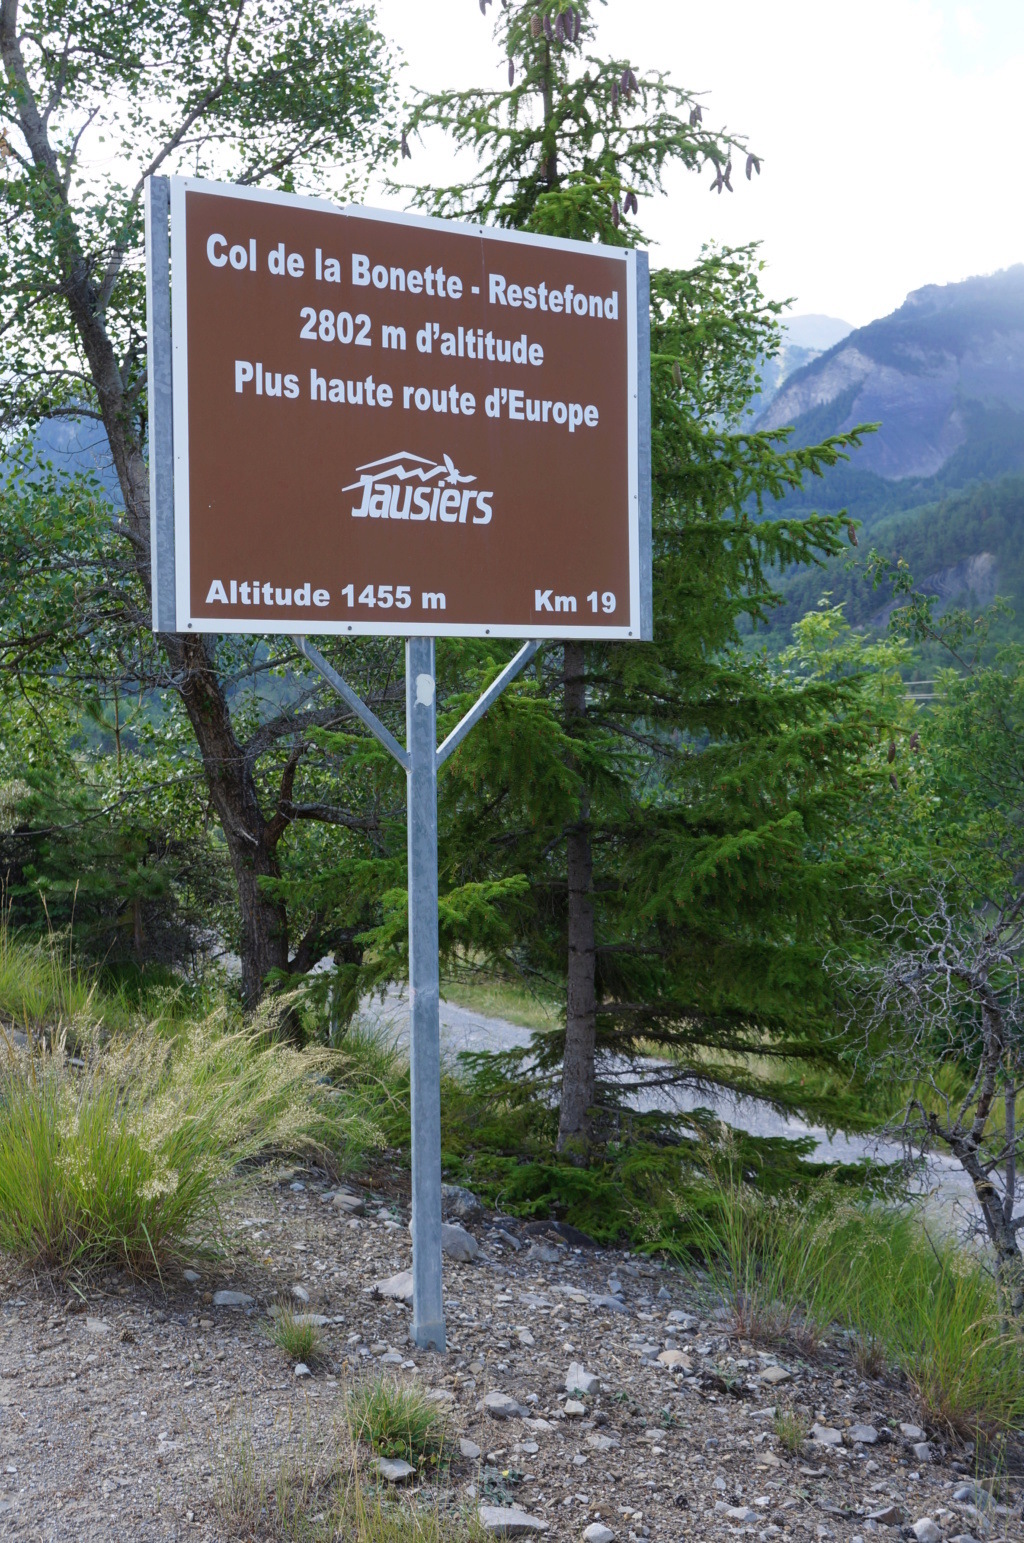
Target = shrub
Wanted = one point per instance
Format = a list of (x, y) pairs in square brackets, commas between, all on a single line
[(398, 1421), (120, 1155), (796, 1271), (294, 1334)]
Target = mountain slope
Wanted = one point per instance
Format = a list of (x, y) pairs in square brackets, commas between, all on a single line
[(934, 374)]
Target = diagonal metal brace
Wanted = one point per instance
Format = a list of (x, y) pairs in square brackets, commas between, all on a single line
[(358, 706), (488, 699)]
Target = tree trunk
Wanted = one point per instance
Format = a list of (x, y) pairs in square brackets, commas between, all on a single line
[(578, 1067)]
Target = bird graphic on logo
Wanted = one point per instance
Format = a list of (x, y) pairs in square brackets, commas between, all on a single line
[(455, 477)]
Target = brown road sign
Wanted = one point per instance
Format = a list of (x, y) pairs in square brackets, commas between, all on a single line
[(384, 424)]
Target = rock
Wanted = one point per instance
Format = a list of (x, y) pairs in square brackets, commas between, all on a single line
[(597, 1532), (460, 1203), (392, 1358), (458, 1244), (739, 1513), (97, 1326), (509, 1521), (206, 1323), (686, 1321), (603, 1443), (525, 1338), (888, 1516), (302, 1370), (973, 1494), (538, 1253), (611, 1304), (574, 1409), (469, 1448), (352, 1205), (773, 1375), (663, 1295), (232, 1299), (923, 1452), (826, 1436), (925, 1531), (964, 1537), (192, 1276), (395, 1469), (397, 1288), (300, 1294), (297, 1187), (678, 1360), (863, 1435), (579, 1380), (500, 1407), (911, 1432)]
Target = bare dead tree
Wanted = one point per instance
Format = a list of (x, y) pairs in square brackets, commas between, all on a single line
[(937, 996)]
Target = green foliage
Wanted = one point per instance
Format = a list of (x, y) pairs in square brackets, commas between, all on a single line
[(313, 1492), (795, 1270), (119, 1155), (270, 94), (398, 1420), (935, 536), (293, 1333)]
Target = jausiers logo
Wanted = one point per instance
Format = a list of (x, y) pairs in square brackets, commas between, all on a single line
[(410, 487)]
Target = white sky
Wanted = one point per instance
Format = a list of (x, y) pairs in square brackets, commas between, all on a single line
[(889, 131)]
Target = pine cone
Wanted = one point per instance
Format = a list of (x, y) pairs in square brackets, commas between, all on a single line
[(753, 164), (559, 29), (615, 213), (677, 374), (536, 26), (406, 152), (511, 73), (892, 751), (577, 23), (851, 531), (915, 741), (894, 781), (549, 31), (696, 116)]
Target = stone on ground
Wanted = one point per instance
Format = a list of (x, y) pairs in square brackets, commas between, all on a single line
[(500, 1406), (863, 1435), (926, 1531), (509, 1521), (394, 1469), (826, 1436), (232, 1299), (774, 1375), (469, 1448), (579, 1380), (460, 1203), (398, 1288), (597, 1532), (458, 1244)]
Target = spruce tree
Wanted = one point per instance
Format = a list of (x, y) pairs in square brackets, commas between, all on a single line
[(671, 826)]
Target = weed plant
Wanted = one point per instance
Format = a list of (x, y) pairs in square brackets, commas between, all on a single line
[(316, 1492), (120, 1155), (791, 1430), (797, 1271), (294, 1334), (398, 1420)]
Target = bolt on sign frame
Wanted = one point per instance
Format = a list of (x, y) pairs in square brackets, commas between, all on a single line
[(296, 349)]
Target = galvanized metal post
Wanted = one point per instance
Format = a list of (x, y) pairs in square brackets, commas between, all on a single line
[(424, 1025)]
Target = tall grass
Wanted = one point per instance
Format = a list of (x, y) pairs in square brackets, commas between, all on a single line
[(122, 1154), (40, 989), (794, 1272)]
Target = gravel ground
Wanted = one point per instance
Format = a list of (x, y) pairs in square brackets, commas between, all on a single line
[(120, 1409)]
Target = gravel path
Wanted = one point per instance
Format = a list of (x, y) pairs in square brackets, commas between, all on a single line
[(125, 1411), (950, 1195)]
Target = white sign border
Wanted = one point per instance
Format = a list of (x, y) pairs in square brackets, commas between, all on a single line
[(394, 626)]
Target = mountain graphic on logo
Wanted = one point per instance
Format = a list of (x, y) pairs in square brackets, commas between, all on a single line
[(403, 467)]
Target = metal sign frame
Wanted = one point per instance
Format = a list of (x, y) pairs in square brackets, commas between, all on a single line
[(421, 756)]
